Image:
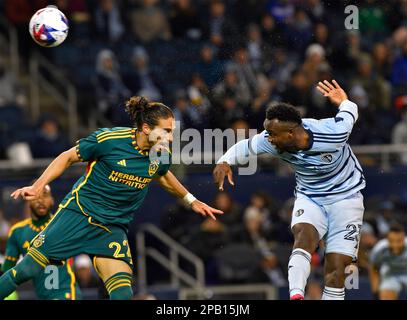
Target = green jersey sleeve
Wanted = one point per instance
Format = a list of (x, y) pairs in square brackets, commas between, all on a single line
[(95, 145), (12, 252)]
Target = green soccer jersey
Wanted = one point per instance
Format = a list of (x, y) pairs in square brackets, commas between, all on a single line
[(117, 177), (18, 243)]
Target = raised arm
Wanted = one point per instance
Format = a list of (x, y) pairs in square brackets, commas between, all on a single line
[(53, 171), (348, 110), (172, 185), (239, 154)]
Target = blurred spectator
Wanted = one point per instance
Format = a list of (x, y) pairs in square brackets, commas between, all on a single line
[(346, 53), (184, 20), (241, 129), (246, 74), (385, 217), (259, 105), (232, 87), (399, 134), (109, 25), (298, 92), (149, 22), (84, 272), (282, 10), (319, 106), (11, 92), (226, 110), (367, 241), (211, 235), (259, 51), (272, 33), (376, 87), (388, 275), (110, 90), (399, 70), (381, 59), (372, 19), (314, 57), (184, 112), (220, 30), (178, 220), (4, 226), (322, 37), (232, 212), (209, 67), (254, 231), (49, 140), (198, 94), (281, 70), (139, 79), (315, 9), (299, 30)]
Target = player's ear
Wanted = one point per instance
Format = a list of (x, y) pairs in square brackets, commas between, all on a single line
[(146, 129)]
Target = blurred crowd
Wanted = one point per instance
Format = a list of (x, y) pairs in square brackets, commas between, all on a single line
[(221, 62)]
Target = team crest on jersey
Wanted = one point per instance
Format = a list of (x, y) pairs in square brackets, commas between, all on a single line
[(153, 167), (38, 242), (326, 157), (299, 212)]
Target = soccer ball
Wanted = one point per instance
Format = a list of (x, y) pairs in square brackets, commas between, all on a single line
[(49, 27)]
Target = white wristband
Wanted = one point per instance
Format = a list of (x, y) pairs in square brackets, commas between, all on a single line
[(189, 198)]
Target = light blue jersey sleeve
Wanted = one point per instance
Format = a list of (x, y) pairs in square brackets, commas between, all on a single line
[(240, 153), (335, 131)]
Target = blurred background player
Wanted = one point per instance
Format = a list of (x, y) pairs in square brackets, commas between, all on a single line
[(329, 178), (18, 244), (94, 217), (388, 271)]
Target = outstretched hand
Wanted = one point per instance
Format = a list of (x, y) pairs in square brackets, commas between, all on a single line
[(27, 193), (205, 210), (221, 171), (332, 91)]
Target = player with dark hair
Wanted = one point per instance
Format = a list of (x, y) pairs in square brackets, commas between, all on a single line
[(93, 218), (329, 178), (388, 259), (18, 243)]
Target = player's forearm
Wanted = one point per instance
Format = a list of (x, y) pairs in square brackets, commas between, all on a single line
[(57, 168), (172, 185), (237, 154)]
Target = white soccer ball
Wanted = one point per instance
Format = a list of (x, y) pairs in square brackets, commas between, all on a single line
[(49, 27)]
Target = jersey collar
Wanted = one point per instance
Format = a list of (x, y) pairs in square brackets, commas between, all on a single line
[(134, 143)]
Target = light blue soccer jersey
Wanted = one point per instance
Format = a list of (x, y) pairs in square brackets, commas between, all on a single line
[(386, 262), (328, 171)]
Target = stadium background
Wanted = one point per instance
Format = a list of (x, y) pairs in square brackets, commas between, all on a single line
[(217, 64)]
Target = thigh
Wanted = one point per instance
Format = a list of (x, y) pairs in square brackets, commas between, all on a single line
[(307, 211), (345, 219), (108, 267)]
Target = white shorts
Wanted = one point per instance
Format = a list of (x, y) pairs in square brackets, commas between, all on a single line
[(393, 283), (338, 223)]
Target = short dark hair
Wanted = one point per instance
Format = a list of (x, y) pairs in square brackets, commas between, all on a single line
[(396, 227), (283, 112)]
